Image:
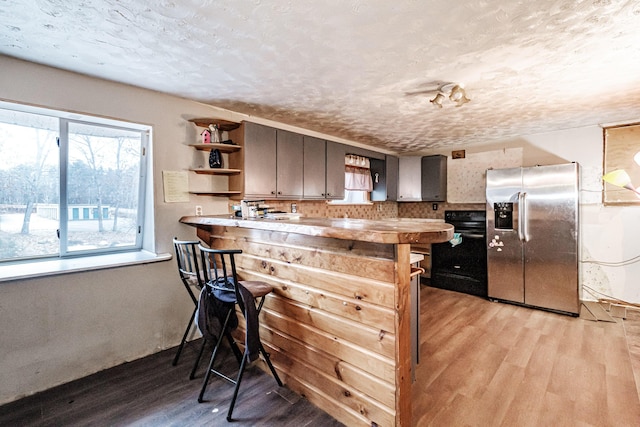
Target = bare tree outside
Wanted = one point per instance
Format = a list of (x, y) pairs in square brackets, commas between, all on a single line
[(102, 186)]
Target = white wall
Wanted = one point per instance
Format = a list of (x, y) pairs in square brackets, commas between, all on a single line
[(60, 328)]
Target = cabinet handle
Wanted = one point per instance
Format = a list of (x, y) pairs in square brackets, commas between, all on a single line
[(328, 194), (279, 192), (273, 192)]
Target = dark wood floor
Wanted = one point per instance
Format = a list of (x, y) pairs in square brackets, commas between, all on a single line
[(151, 392)]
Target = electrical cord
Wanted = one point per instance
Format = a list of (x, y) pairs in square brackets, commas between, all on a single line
[(613, 263)]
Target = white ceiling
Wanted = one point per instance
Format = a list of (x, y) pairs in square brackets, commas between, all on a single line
[(348, 68)]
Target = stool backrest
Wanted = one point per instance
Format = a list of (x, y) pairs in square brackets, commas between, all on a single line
[(219, 272), (187, 254)]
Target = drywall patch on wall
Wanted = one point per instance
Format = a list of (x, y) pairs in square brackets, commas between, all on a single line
[(466, 177), (595, 281), (590, 185)]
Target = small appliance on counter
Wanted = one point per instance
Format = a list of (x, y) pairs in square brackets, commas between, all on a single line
[(252, 209), (255, 209)]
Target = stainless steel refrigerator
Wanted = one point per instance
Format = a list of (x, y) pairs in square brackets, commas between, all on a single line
[(532, 236)]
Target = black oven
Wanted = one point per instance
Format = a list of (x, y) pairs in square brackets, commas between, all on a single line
[(461, 265)]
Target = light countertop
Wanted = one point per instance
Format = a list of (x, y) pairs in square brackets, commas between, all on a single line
[(390, 231)]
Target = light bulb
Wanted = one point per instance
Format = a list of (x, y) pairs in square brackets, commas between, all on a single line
[(618, 177), (437, 101), (456, 93)]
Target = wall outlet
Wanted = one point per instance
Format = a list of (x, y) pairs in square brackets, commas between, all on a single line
[(294, 208), (434, 206), (198, 210)]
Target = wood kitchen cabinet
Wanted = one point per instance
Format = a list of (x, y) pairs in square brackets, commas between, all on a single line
[(385, 179), (434, 178), (410, 179), (315, 167), (335, 170), (272, 162), (422, 179), (289, 158), (259, 160), (323, 169)]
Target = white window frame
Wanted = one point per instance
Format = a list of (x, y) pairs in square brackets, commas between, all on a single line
[(141, 252)]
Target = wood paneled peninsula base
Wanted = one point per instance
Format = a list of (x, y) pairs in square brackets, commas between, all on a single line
[(338, 322)]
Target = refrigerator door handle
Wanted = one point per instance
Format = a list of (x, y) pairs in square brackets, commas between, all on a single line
[(523, 231)]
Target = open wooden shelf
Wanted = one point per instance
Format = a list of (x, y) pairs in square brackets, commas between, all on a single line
[(224, 148), (223, 125), (215, 193), (215, 171)]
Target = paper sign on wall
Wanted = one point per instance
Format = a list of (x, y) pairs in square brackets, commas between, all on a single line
[(176, 186)]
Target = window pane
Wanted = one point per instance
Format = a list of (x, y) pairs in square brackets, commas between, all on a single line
[(29, 190), (102, 187)]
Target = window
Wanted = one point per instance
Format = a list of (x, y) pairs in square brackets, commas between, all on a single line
[(354, 197), (70, 185), (622, 153), (358, 181)]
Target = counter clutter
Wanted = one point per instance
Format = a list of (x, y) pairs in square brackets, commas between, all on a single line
[(338, 323)]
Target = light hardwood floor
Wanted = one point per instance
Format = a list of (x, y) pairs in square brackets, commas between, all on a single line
[(492, 364)]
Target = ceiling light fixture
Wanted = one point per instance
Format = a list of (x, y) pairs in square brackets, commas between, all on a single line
[(454, 91), (620, 178)]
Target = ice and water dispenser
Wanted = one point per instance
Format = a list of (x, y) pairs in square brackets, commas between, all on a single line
[(503, 215)]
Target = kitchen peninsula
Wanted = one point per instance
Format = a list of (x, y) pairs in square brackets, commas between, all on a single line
[(337, 325)]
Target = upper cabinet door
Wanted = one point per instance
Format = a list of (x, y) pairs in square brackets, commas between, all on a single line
[(289, 164), (315, 164), (434, 178), (385, 179), (259, 160), (410, 179), (391, 164), (335, 170)]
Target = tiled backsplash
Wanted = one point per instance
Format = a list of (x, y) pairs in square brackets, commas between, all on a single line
[(377, 210), (425, 209)]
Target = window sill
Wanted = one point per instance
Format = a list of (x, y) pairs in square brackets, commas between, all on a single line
[(33, 269)]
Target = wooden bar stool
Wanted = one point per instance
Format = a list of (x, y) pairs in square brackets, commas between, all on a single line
[(221, 279)]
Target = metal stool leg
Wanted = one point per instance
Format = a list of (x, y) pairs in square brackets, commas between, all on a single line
[(195, 365), (234, 348), (271, 368), (184, 338), (213, 358), (237, 387)]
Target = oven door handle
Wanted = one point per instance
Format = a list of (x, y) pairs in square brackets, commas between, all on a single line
[(472, 235)]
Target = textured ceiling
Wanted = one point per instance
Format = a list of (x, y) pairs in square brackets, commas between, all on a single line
[(351, 68)]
